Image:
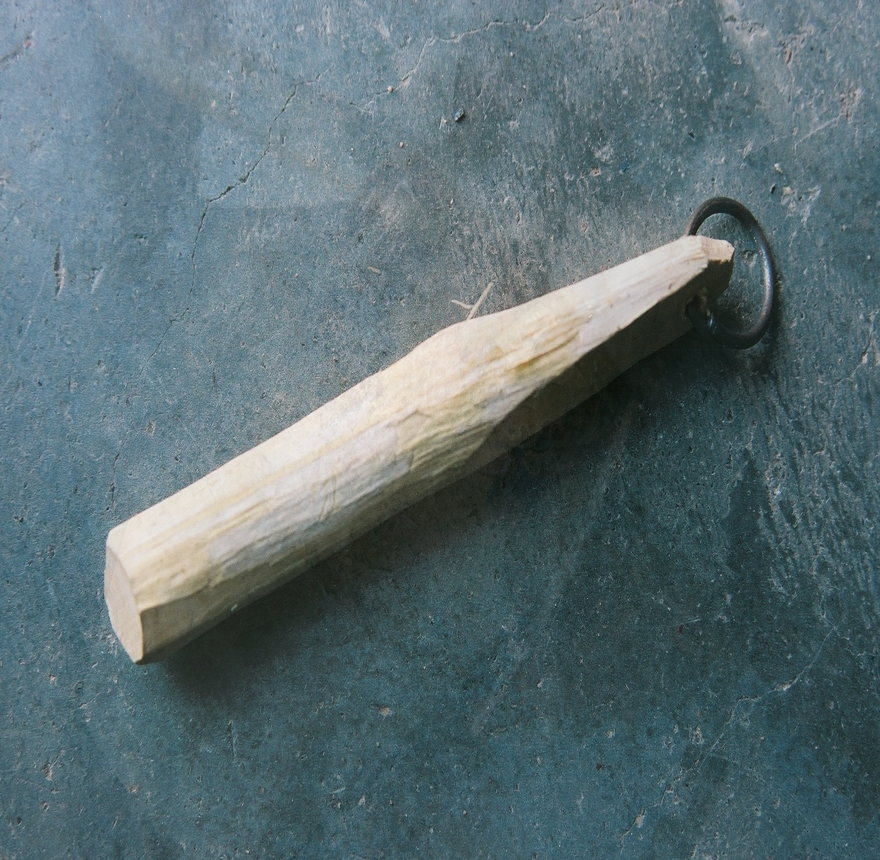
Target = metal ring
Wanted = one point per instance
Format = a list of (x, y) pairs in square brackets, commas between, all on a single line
[(700, 313)]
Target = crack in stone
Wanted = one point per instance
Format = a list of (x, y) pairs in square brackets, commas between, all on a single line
[(782, 687), (751, 701), (528, 26), (242, 180), (156, 349), (455, 40)]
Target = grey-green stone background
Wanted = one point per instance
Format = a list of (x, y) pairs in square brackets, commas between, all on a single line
[(651, 631)]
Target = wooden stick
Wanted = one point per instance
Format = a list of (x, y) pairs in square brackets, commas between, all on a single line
[(453, 404)]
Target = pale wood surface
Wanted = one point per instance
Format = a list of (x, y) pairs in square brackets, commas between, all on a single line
[(451, 405)]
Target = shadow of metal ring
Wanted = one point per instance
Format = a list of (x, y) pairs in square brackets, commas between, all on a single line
[(701, 315)]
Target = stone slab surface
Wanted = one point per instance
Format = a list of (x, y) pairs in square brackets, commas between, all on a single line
[(651, 631)]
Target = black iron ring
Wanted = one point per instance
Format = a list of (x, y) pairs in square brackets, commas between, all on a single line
[(700, 313)]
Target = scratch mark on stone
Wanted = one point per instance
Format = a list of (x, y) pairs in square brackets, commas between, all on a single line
[(800, 203), (637, 823), (113, 482), (59, 269), (871, 350), (17, 51), (97, 277), (49, 766), (11, 218), (817, 129), (230, 731)]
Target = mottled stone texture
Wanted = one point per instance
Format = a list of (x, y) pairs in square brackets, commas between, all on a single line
[(652, 631)]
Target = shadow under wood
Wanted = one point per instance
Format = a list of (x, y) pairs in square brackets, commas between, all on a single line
[(260, 634), (264, 633)]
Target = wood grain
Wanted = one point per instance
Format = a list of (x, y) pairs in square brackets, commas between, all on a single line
[(453, 404)]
